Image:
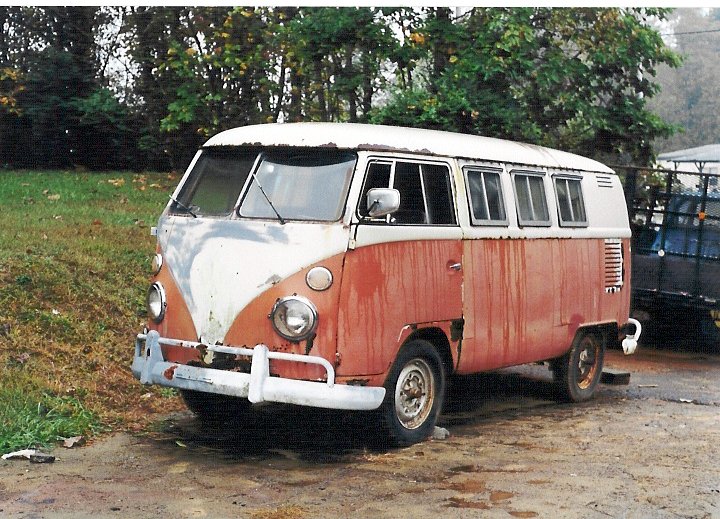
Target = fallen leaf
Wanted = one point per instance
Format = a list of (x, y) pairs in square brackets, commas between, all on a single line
[(69, 443)]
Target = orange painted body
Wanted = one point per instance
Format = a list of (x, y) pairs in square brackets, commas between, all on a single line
[(177, 323), (525, 299), (521, 301), (388, 289)]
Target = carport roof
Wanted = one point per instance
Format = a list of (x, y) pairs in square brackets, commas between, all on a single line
[(707, 153)]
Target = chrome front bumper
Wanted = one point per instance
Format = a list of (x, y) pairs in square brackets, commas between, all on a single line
[(150, 367)]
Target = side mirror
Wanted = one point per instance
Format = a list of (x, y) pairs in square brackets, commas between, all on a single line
[(382, 201)]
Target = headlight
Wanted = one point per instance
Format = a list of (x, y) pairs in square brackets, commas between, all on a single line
[(157, 263), (156, 302), (294, 318)]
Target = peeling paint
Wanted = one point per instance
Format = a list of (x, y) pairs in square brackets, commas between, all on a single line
[(272, 280), (170, 372)]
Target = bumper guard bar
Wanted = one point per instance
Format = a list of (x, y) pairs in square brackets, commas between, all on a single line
[(150, 367)]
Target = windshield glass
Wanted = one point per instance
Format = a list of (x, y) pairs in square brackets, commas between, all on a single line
[(302, 184), (215, 182)]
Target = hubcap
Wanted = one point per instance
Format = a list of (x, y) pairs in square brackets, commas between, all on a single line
[(414, 393), (587, 362)]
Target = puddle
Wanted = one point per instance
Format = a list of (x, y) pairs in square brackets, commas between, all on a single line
[(469, 486), (500, 495), (459, 502)]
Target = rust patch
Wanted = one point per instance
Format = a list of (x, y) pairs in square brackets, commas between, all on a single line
[(170, 372), (358, 382)]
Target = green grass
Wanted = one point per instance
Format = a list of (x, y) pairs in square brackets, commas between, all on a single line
[(75, 253), (30, 416)]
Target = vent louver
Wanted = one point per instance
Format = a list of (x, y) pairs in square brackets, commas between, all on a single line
[(604, 181), (613, 265)]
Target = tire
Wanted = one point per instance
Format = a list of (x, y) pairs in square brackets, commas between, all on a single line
[(578, 372), (211, 407), (415, 390)]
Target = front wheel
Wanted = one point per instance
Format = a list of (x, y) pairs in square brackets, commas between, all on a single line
[(578, 372), (415, 390)]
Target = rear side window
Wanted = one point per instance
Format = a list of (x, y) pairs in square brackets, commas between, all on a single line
[(425, 192), (571, 206), (530, 199), (486, 198)]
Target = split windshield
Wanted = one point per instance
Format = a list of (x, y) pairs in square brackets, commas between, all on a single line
[(300, 183)]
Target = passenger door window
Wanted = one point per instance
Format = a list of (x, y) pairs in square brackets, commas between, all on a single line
[(530, 199), (571, 206), (425, 192), (486, 197)]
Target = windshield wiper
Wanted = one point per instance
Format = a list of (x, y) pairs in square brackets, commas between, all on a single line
[(267, 198), (183, 206)]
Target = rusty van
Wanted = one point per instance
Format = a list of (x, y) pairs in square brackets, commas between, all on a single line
[(358, 267)]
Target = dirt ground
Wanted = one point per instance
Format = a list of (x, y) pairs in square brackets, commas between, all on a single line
[(650, 449)]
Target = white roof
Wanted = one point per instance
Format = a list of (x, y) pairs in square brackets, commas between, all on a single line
[(410, 140)]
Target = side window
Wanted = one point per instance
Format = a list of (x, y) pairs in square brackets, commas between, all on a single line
[(530, 198), (412, 202), (438, 193), (425, 192), (571, 206), (378, 175), (486, 199)]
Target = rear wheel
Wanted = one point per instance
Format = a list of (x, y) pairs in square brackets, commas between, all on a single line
[(578, 372), (212, 407), (415, 390)]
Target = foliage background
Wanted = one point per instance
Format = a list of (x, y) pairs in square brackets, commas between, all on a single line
[(141, 87), (690, 96)]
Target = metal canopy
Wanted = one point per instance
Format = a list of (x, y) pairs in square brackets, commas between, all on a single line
[(699, 155)]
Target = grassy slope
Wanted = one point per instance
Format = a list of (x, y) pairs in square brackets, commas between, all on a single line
[(75, 254)]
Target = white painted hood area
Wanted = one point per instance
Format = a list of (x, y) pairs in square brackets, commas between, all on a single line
[(222, 265)]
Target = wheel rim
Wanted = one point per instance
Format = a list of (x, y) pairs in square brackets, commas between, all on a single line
[(587, 364), (414, 393)]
